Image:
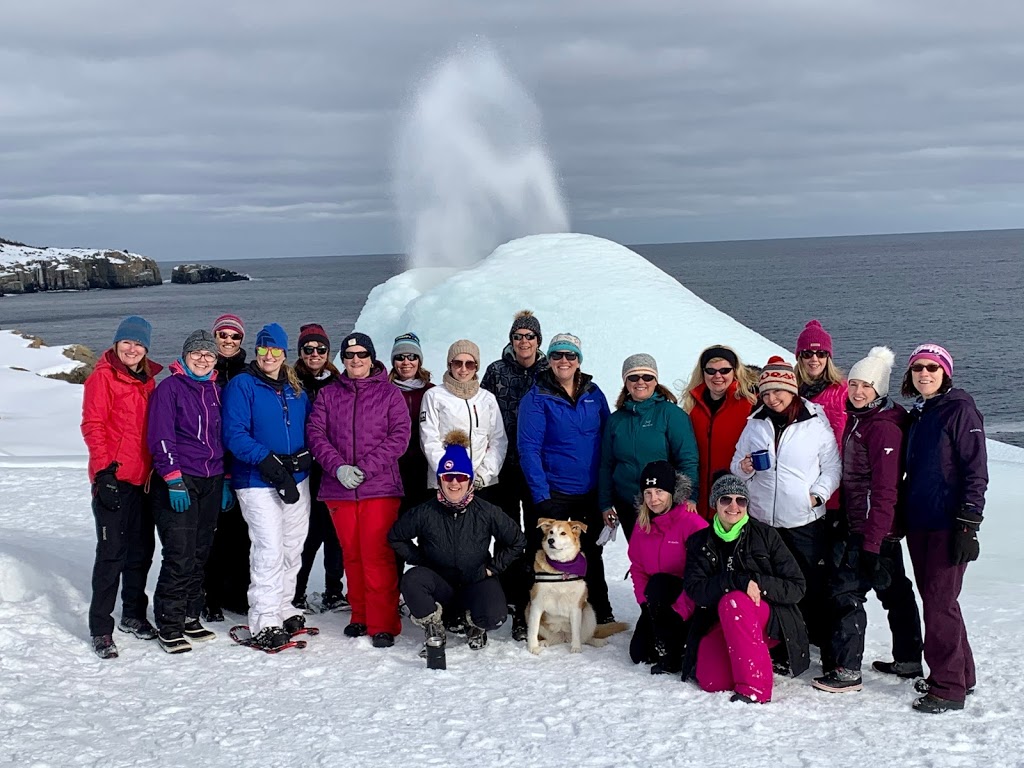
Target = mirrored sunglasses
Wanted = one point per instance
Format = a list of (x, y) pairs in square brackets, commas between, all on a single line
[(275, 352), (633, 378), (741, 501), (454, 477)]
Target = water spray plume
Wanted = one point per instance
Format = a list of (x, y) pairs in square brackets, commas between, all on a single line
[(471, 170)]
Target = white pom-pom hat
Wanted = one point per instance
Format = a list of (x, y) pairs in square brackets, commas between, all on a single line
[(875, 369)]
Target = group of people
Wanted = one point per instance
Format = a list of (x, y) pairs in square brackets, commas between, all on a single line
[(758, 512)]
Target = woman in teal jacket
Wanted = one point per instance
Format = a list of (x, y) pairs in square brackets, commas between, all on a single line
[(647, 426)]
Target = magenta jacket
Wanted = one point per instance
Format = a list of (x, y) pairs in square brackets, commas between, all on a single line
[(362, 422), (833, 400), (663, 550)]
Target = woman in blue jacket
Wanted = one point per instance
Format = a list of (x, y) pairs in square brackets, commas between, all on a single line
[(264, 415), (561, 420)]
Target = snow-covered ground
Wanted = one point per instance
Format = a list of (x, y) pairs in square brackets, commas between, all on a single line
[(340, 701), (23, 254)]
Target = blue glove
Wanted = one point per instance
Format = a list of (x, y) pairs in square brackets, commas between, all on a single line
[(180, 500), (227, 497)]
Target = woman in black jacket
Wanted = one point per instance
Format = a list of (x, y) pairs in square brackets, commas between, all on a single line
[(746, 586), (453, 571)]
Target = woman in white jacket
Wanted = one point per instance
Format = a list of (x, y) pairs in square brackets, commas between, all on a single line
[(790, 494), (460, 403)]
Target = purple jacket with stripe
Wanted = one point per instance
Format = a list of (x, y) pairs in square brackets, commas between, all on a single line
[(364, 423), (184, 430)]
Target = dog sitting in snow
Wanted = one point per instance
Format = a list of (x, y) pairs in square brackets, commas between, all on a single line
[(558, 611)]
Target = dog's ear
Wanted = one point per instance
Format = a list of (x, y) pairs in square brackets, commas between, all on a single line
[(578, 527), (545, 524)]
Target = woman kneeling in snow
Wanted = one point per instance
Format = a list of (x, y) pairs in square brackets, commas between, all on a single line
[(453, 571), (657, 555), (746, 586)]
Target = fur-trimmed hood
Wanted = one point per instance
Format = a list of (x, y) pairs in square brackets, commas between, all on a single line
[(679, 496)]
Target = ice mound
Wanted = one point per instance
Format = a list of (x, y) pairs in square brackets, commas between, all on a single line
[(616, 301)]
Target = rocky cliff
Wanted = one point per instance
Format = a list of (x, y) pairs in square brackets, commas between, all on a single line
[(27, 269), (204, 273)]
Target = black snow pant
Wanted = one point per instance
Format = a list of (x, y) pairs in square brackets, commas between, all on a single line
[(227, 569), (124, 552), (659, 624), (424, 588), (810, 545), (625, 510), (512, 494), (321, 531), (186, 538), (849, 593)]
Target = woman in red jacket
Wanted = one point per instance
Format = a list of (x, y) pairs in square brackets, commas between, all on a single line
[(114, 412), (719, 397)]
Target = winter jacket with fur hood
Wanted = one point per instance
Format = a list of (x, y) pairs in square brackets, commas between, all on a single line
[(184, 433), (508, 381), (363, 423), (760, 556), (663, 548), (805, 460), (479, 417), (115, 408), (456, 544)]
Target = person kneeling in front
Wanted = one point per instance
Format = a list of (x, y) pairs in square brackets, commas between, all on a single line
[(746, 586), (453, 571)]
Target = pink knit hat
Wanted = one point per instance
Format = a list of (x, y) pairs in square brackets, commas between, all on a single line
[(813, 336), (229, 322), (936, 354)]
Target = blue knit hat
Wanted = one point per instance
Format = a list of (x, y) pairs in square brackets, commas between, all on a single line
[(272, 335), (456, 456), (566, 342), (135, 329)]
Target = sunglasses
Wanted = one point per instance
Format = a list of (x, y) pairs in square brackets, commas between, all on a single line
[(412, 357), (570, 356), (226, 335), (725, 501), (930, 367), (311, 349), (633, 378), (720, 371), (453, 477), (207, 356), (469, 365), (524, 336), (348, 354), (807, 354), (275, 352)]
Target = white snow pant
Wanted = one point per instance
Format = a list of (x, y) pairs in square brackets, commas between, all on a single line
[(277, 532)]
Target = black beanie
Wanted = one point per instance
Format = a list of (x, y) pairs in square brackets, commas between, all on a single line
[(658, 474), (356, 339)]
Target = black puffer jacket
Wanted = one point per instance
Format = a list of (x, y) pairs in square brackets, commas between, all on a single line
[(229, 367), (759, 555), (508, 381), (456, 544)]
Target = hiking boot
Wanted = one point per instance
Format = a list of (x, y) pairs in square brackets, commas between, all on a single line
[(271, 637), (605, 617), (383, 640), (196, 631), (663, 662), (212, 613), (519, 628), (301, 604), (923, 686), (839, 680), (103, 646), (294, 623), (334, 601), (141, 628), (174, 641), (355, 629), (904, 669), (931, 704), (476, 637)]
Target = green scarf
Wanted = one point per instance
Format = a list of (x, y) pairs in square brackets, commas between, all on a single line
[(733, 533)]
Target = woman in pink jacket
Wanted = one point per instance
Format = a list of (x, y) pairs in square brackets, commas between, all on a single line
[(657, 555)]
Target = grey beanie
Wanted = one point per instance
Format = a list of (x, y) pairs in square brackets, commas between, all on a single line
[(728, 485), (639, 363), (199, 340)]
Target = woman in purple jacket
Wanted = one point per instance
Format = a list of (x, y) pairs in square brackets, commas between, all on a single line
[(357, 431), (184, 436), (871, 557), (944, 494)]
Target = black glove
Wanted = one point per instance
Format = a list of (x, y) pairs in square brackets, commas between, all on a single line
[(742, 579), (274, 472), (965, 546), (303, 461), (871, 571), (104, 488)]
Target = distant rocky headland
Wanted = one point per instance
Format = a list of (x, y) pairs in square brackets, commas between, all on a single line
[(204, 273), (28, 269)]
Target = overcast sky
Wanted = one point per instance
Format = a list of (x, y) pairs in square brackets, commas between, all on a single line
[(234, 128)]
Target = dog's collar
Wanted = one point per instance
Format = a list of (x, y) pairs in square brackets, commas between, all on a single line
[(567, 571), (548, 576)]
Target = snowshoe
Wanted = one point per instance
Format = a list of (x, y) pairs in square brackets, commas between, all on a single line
[(296, 625), (268, 639), (355, 630), (304, 605), (174, 641), (103, 646), (839, 680), (904, 669), (195, 631), (141, 628)]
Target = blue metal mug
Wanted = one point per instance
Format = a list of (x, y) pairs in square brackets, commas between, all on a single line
[(762, 460)]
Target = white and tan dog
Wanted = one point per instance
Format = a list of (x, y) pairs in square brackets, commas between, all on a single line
[(558, 611)]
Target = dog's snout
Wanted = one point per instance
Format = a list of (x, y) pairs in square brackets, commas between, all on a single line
[(551, 541)]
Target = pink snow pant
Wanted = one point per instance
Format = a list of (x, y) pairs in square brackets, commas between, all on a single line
[(734, 655)]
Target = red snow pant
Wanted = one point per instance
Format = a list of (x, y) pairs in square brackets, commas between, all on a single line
[(734, 655), (362, 528)]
